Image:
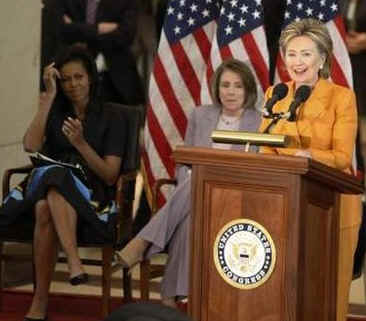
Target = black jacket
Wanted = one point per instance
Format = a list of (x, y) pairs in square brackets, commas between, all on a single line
[(114, 46)]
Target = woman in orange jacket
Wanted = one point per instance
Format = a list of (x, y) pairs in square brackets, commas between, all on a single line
[(323, 128)]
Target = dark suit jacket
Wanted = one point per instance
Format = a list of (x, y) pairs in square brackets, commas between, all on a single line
[(274, 11), (50, 36), (115, 46), (358, 60)]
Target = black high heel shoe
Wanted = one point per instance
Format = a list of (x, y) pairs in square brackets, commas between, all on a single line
[(79, 279)]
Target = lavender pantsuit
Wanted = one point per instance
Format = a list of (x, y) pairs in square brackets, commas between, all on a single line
[(170, 226)]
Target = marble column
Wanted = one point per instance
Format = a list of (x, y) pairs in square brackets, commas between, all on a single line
[(20, 22)]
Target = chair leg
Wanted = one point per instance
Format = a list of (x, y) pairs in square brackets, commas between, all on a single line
[(1, 274), (145, 279), (107, 255), (127, 280), (1, 266), (33, 270)]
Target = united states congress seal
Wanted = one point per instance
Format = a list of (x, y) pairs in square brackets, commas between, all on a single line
[(244, 254)]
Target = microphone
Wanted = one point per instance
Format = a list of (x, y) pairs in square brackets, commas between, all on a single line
[(279, 92), (302, 94)]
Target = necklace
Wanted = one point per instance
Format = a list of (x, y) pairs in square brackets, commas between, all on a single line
[(229, 120)]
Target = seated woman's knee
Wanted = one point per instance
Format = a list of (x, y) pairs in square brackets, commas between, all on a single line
[(52, 191), (53, 194)]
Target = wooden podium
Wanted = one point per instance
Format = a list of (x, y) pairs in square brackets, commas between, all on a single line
[(296, 201)]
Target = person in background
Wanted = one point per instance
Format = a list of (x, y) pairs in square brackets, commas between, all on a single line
[(50, 37), (234, 95), (107, 28), (161, 8), (354, 14), (325, 129), (273, 15), (72, 126)]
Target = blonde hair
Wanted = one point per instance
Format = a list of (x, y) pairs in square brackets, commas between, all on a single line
[(246, 77), (317, 32)]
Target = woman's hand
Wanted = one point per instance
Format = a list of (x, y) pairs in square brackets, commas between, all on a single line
[(304, 153), (49, 79), (73, 130), (107, 27), (34, 136), (356, 42), (67, 19), (106, 168)]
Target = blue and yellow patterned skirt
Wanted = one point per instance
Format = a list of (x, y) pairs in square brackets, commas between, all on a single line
[(96, 223)]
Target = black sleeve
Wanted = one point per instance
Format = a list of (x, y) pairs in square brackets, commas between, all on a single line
[(50, 34), (122, 12), (115, 138), (274, 11), (79, 32), (125, 15)]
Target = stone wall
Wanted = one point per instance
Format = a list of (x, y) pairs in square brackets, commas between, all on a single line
[(19, 65)]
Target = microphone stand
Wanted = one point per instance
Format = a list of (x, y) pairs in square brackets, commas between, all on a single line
[(275, 118)]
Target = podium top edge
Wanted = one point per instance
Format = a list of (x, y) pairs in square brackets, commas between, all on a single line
[(261, 162)]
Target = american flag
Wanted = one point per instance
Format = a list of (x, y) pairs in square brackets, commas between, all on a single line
[(197, 36), (328, 12)]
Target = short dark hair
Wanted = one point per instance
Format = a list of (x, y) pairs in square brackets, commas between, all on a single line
[(78, 53), (246, 77)]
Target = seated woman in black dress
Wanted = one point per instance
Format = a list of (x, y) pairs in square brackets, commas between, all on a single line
[(72, 126)]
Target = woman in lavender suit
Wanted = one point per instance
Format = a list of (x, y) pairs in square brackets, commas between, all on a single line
[(234, 96)]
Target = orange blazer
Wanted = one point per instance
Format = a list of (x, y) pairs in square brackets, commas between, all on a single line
[(326, 126)]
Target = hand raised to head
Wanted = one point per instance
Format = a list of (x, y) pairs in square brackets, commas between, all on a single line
[(50, 74)]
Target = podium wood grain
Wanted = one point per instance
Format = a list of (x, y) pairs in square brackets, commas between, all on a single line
[(297, 201)]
